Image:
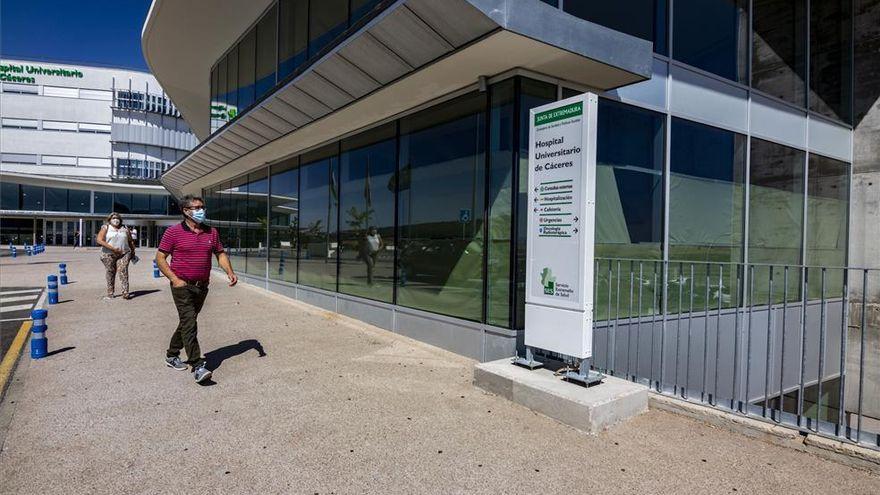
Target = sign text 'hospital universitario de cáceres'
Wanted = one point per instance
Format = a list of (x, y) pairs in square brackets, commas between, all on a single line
[(24, 73)]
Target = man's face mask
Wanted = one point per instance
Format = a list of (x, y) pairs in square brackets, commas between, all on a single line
[(198, 215)]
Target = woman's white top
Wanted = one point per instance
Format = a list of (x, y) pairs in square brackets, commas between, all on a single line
[(117, 238)]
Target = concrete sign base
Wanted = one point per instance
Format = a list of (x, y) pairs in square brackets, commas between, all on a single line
[(588, 409)]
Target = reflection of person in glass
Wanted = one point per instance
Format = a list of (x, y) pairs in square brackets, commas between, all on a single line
[(370, 247)]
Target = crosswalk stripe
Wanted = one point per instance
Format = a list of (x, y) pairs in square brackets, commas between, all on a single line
[(11, 292), (7, 309), (4, 300)]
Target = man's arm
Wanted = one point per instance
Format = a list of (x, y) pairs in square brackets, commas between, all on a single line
[(162, 262), (226, 265)]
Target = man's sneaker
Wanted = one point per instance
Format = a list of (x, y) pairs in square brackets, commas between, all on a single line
[(201, 374), (175, 363)]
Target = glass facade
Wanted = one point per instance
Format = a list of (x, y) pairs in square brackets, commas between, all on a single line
[(288, 35), (427, 211)]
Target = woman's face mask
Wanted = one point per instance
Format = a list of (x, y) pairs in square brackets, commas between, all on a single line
[(115, 222)]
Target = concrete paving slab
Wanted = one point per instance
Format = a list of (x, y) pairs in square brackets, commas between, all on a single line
[(591, 410), (333, 406)]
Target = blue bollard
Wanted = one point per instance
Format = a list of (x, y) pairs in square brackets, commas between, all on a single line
[(62, 267), (39, 342), (53, 289), (29, 250), (14, 252), (156, 273)]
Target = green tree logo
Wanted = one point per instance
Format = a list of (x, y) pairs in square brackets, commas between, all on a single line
[(548, 280)]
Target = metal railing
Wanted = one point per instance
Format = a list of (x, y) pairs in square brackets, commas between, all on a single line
[(740, 337)]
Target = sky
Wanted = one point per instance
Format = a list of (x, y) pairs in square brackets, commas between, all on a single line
[(96, 32)]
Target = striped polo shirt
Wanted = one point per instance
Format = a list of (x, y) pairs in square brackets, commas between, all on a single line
[(191, 251)]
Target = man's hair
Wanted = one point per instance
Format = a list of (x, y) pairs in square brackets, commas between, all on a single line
[(188, 200)]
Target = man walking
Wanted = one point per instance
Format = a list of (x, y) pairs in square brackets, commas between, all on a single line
[(190, 244)]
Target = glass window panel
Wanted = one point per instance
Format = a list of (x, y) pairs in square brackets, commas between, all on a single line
[(366, 257), (441, 187), (827, 223), (257, 221), (629, 203), (266, 46), (173, 207), (360, 8), (222, 91), (776, 205), (831, 58), (284, 220), (532, 94), (159, 204), (779, 48), (706, 212), (246, 67), (712, 35), (103, 202), (56, 199), (293, 39), (215, 102), (31, 198), (318, 217), (140, 203), (237, 215), (231, 99), (635, 17), (9, 196), (79, 201), (327, 20), (502, 128), (122, 203)]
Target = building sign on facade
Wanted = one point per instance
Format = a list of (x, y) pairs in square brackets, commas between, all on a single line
[(24, 73), (561, 220)]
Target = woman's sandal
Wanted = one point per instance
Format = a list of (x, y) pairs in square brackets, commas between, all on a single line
[(126, 296)]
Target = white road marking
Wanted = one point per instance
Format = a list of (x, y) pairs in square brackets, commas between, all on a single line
[(4, 300), (6, 309), (11, 292), (15, 319)]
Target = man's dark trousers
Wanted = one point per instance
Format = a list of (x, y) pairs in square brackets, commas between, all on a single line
[(189, 300)]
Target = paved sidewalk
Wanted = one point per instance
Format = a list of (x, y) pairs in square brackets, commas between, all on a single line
[(332, 407)]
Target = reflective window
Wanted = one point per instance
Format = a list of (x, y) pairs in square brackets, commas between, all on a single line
[(256, 223), (79, 201), (103, 202), (284, 220), (246, 66), (231, 99), (159, 204), (223, 89), (532, 94), (360, 8), (502, 129), (779, 48), (215, 102), (327, 20), (56, 199), (293, 39), (645, 19), (122, 203), (366, 224), (827, 223), (236, 213), (776, 206), (140, 203), (831, 58), (441, 184), (9, 197), (706, 212), (712, 35), (629, 201), (318, 217), (31, 198), (266, 57)]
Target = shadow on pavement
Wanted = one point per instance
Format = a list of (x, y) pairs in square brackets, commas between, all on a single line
[(59, 351), (64, 301), (139, 293), (217, 356)]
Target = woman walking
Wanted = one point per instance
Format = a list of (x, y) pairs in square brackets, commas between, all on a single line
[(117, 249)]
